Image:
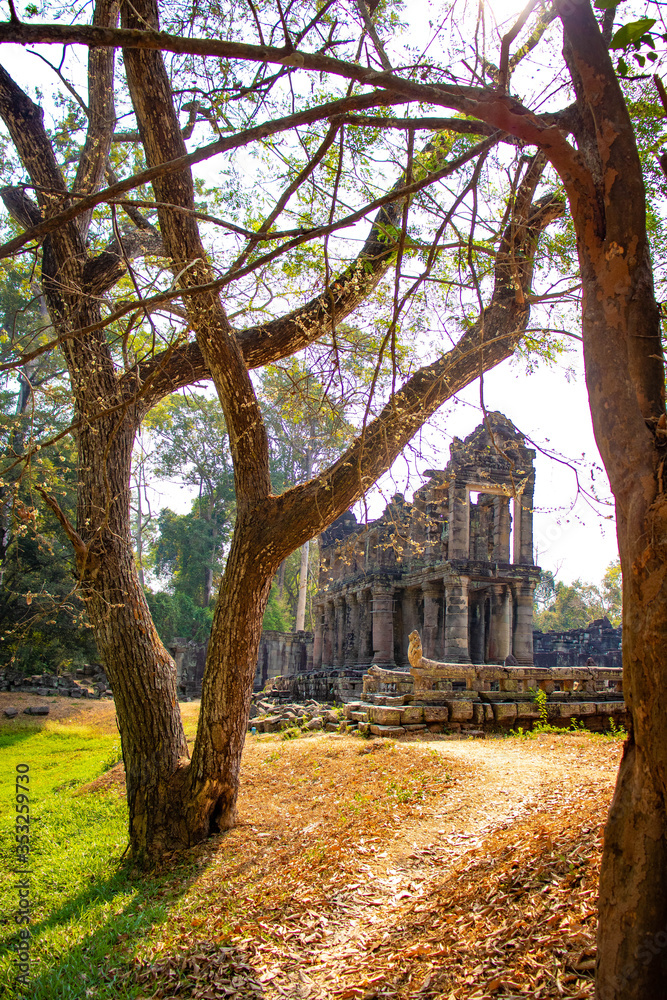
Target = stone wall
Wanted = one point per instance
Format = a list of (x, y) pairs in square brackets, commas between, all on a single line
[(598, 641), (280, 653)]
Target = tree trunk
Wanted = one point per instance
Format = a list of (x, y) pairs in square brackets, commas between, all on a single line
[(303, 588), (141, 673), (213, 780)]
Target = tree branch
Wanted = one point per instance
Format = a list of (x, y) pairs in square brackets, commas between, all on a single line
[(491, 340), (263, 131), (101, 113)]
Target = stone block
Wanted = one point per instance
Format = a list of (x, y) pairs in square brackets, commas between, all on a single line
[(478, 714), (272, 724), (36, 710), (365, 728), (460, 711), (387, 731), (509, 685), (315, 723), (608, 707), (358, 716), (11, 712), (527, 710), (414, 727), (436, 713), (76, 693), (587, 708), (412, 714), (504, 712), (384, 716), (488, 713), (331, 727), (436, 727)]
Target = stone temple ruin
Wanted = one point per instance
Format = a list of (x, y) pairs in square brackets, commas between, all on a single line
[(456, 564)]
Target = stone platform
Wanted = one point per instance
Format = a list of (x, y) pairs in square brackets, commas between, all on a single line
[(458, 697)]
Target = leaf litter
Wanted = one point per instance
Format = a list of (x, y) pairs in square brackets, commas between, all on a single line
[(343, 880)]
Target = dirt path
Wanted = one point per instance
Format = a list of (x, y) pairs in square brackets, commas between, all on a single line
[(504, 782)]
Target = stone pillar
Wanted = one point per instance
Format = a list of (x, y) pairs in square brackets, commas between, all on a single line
[(365, 626), (339, 641), (456, 620), (329, 634), (522, 643), (499, 629), (477, 628), (383, 626), (459, 521), (526, 557), (318, 640), (432, 597), (352, 630), (501, 529)]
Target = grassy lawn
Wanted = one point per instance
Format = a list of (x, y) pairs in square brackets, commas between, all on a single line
[(83, 904)]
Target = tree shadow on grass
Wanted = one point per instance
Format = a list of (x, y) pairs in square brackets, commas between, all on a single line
[(97, 964)]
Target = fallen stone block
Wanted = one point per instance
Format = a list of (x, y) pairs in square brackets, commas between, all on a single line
[(414, 727), (36, 710), (436, 713), (272, 724), (384, 716), (412, 714), (315, 723), (386, 731), (11, 712)]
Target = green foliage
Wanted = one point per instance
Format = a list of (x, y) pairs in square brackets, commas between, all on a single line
[(559, 607), (178, 615), (278, 616)]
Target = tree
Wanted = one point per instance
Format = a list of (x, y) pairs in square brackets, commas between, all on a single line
[(115, 380)]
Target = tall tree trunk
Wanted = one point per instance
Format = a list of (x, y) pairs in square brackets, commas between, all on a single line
[(303, 588), (141, 673), (211, 789)]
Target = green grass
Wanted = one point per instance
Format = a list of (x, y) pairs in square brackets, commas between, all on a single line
[(83, 902)]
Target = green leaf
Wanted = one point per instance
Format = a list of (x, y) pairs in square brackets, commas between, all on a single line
[(631, 32), (606, 4)]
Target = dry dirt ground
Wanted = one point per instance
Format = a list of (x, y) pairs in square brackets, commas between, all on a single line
[(434, 867)]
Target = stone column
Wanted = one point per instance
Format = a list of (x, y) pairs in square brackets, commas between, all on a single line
[(526, 557), (477, 628), (432, 597), (329, 634), (456, 620), (501, 529), (459, 521), (383, 626), (318, 642), (499, 630), (365, 626), (352, 630), (522, 644), (339, 633)]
